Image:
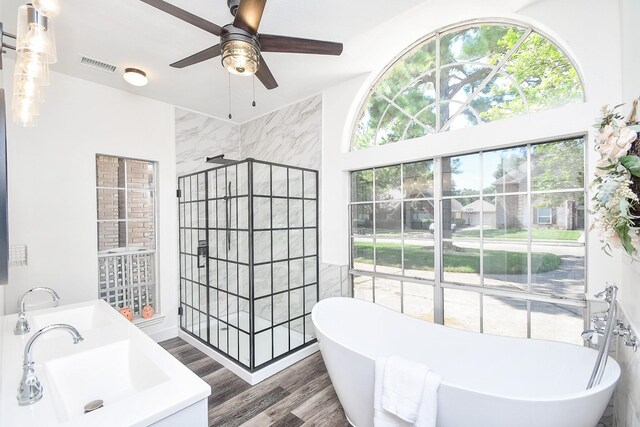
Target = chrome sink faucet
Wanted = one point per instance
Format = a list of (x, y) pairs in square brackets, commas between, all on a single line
[(22, 326), (30, 388)]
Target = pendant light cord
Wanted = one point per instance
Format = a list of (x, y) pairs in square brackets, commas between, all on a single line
[(253, 104), (230, 116)]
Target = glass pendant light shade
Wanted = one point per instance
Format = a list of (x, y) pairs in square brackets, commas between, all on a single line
[(27, 87), (36, 36), (29, 66), (49, 8), (240, 57), (25, 110)]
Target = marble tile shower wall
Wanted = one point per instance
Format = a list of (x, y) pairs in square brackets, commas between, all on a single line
[(199, 136), (291, 136)]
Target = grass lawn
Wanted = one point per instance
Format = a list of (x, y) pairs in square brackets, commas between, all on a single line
[(536, 234), (460, 260)]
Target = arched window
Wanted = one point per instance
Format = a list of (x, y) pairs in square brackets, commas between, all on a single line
[(464, 76)]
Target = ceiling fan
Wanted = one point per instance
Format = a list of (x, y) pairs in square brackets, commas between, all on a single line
[(241, 45)]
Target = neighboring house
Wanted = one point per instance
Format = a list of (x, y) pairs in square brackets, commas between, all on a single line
[(511, 211), (471, 213)]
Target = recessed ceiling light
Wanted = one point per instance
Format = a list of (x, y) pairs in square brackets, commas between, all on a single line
[(135, 77)]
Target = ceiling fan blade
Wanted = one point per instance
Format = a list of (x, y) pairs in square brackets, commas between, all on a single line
[(208, 53), (264, 75), (249, 15), (273, 43), (185, 16)]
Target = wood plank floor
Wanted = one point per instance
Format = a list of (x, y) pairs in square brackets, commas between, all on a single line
[(301, 395)]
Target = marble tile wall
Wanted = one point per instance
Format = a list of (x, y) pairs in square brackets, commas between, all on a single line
[(199, 136), (291, 135)]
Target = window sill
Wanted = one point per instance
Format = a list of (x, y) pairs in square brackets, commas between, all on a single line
[(143, 323)]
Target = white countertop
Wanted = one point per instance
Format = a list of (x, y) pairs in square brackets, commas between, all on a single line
[(139, 381)]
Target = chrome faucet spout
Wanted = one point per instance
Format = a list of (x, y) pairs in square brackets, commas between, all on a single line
[(22, 326), (30, 388)]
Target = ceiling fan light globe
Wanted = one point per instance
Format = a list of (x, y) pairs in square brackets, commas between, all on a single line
[(240, 58)]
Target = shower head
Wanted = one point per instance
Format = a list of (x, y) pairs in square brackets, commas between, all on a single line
[(220, 160)]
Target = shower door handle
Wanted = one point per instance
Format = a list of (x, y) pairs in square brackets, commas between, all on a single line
[(202, 253)]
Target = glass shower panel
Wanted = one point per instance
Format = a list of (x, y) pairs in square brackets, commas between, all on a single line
[(249, 259)]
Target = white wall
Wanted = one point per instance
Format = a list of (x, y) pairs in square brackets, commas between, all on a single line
[(565, 22), (627, 405), (52, 194)]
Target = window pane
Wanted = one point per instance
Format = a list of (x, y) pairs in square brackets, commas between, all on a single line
[(558, 217), (109, 172), (111, 235), (362, 219), (140, 205), (505, 171), (505, 218), (505, 266), (362, 254), (461, 262), (557, 165), (483, 43), (418, 217), (141, 234), (504, 316), (366, 129), (363, 288), (558, 270), (388, 293), (461, 175), (408, 68), (388, 219), (557, 322), (417, 300), (110, 204), (389, 256), (552, 82), (388, 183), (462, 309), (140, 174), (362, 186), (417, 180), (461, 218)]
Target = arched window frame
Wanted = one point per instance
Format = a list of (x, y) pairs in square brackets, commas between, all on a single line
[(496, 70)]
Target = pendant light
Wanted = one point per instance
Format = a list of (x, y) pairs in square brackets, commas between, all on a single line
[(35, 50)]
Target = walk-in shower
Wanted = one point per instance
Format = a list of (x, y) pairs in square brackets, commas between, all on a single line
[(249, 259)]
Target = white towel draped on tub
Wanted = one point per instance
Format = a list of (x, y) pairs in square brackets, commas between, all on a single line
[(405, 393)]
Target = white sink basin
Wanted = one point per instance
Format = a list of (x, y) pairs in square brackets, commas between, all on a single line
[(139, 382), (82, 316), (110, 373)]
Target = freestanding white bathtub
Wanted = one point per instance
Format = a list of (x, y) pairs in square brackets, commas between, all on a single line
[(488, 380)]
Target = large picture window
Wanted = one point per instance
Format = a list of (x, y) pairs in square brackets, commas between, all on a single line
[(474, 239), (463, 76), (126, 202)]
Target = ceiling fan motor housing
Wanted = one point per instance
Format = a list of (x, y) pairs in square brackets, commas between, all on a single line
[(240, 50)]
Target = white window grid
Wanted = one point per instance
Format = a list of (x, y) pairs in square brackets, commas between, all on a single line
[(438, 283)]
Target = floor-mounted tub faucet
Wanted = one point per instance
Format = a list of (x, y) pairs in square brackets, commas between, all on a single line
[(22, 326), (30, 389)]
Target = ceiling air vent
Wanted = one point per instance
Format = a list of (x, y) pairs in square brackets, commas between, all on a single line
[(94, 63)]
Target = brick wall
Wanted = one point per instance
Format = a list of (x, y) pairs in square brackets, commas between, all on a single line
[(128, 196)]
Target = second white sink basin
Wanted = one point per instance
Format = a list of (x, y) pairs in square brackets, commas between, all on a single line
[(83, 316)]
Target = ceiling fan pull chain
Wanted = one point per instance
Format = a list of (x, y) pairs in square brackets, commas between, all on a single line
[(253, 104), (230, 116)]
